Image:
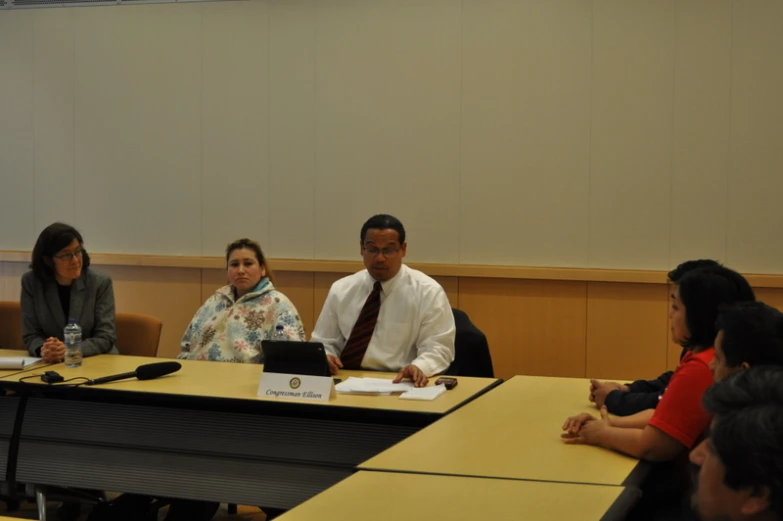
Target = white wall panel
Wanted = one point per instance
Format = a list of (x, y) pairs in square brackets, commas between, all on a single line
[(138, 128)]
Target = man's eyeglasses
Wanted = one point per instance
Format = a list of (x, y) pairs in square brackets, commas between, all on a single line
[(387, 252), (70, 256)]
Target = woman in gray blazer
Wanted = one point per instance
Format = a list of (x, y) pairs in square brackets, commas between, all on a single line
[(60, 286)]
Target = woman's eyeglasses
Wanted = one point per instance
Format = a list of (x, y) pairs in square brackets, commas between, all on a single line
[(69, 256)]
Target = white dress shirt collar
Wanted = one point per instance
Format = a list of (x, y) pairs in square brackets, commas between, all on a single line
[(388, 285)]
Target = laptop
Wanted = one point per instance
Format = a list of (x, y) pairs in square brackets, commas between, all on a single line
[(290, 357)]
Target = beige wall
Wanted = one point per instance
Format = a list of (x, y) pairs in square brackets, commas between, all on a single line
[(585, 133), (578, 133), (535, 327)]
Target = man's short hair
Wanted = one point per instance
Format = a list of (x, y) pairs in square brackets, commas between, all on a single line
[(383, 221), (752, 333), (747, 430)]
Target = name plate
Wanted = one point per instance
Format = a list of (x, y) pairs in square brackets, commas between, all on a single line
[(296, 386)]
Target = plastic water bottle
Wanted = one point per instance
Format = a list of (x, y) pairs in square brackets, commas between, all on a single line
[(73, 344), (279, 334)]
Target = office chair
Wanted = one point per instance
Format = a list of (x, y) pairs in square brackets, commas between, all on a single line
[(11, 325), (137, 335), (471, 350)]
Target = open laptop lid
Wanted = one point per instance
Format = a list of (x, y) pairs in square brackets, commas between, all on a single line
[(289, 357)]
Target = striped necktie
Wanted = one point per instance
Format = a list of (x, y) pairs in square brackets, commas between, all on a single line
[(353, 352)]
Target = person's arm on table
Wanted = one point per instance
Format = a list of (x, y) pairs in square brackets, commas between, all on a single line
[(634, 421), (51, 349), (624, 400), (600, 388), (327, 331), (637, 421), (435, 342), (649, 443), (599, 391), (625, 404), (657, 385), (676, 424)]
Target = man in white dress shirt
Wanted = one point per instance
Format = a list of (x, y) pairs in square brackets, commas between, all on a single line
[(387, 317)]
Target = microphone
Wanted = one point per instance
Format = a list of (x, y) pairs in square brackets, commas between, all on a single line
[(143, 372)]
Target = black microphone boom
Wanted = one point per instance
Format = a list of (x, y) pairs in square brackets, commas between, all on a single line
[(151, 371), (143, 372)]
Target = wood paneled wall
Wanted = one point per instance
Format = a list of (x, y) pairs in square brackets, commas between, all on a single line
[(573, 328)]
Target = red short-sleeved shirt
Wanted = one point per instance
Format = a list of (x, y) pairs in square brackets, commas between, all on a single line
[(680, 413)]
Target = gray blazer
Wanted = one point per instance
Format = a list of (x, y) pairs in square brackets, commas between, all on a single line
[(92, 305)]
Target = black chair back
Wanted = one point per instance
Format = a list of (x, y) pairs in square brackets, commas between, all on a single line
[(472, 357)]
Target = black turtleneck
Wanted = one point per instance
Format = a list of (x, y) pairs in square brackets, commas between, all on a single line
[(65, 299)]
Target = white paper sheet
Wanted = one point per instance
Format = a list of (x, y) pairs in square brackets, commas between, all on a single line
[(17, 362), (424, 393), (354, 385)]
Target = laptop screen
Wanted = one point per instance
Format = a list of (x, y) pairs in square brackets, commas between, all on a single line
[(289, 357)]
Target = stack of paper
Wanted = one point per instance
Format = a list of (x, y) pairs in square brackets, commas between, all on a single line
[(424, 393), (354, 385), (17, 362)]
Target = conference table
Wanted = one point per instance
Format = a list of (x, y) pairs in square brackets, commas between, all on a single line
[(201, 433), (8, 408), (513, 432), (387, 496)]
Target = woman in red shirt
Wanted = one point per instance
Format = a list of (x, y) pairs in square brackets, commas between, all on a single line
[(664, 433)]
